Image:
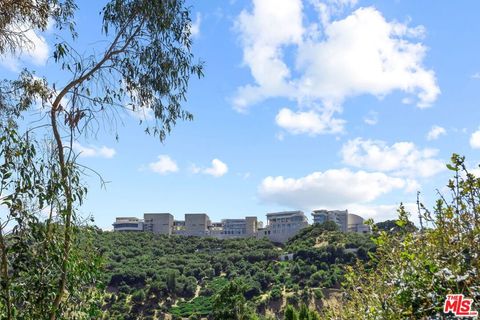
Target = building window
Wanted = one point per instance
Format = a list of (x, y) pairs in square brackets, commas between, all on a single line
[(126, 225)]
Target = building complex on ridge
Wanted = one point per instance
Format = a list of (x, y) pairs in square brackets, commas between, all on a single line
[(280, 225), (347, 222)]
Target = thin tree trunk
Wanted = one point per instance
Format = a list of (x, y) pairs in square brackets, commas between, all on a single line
[(5, 278), (67, 214), (56, 107)]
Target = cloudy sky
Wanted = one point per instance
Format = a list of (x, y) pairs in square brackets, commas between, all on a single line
[(337, 104)]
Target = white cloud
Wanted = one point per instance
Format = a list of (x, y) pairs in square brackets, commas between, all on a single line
[(472, 169), (400, 159), (163, 165), (93, 151), (263, 32), (195, 28), (475, 172), (365, 54), (327, 9), (476, 75), (309, 122), (217, 169), (435, 132), (330, 189), (371, 118), (407, 100), (35, 52), (475, 140), (140, 113), (334, 60)]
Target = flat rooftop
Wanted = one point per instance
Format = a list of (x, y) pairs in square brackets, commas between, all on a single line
[(284, 213)]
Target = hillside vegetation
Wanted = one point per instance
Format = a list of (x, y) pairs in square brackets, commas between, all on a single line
[(150, 276), (412, 271)]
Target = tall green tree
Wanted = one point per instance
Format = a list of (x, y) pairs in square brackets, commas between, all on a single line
[(171, 282), (145, 66), (303, 313), (31, 250), (290, 313), (230, 303)]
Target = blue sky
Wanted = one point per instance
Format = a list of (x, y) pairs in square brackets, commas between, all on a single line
[(337, 104)]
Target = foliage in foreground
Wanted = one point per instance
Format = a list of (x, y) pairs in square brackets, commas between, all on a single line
[(31, 249), (412, 272), (48, 269)]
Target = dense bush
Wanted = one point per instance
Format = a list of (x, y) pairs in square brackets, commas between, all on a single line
[(412, 271)]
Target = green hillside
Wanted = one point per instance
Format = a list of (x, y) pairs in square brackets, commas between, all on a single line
[(149, 276)]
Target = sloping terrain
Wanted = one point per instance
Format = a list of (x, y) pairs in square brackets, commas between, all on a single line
[(149, 276)]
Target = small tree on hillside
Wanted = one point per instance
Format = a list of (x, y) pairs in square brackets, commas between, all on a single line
[(230, 303)]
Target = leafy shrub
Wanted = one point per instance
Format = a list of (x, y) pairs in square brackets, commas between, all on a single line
[(412, 271)]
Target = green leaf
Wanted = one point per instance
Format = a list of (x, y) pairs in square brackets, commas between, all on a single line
[(450, 167)]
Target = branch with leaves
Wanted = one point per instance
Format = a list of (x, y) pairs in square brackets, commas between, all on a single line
[(146, 64)]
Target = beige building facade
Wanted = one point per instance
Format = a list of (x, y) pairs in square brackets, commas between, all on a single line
[(283, 225), (280, 226), (239, 228), (158, 223), (357, 224), (196, 224), (340, 217), (347, 222)]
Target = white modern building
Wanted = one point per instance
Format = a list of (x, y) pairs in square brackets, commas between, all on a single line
[(340, 217), (357, 224), (283, 225), (128, 224), (347, 222)]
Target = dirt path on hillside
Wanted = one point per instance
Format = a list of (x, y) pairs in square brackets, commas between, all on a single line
[(197, 291)]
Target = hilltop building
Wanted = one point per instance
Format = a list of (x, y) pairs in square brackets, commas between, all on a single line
[(239, 228), (283, 225), (197, 224), (128, 224), (340, 217), (347, 222), (159, 223), (357, 224), (279, 228), (215, 229)]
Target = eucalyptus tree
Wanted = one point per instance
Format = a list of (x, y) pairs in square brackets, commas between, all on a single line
[(145, 66), (18, 17)]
